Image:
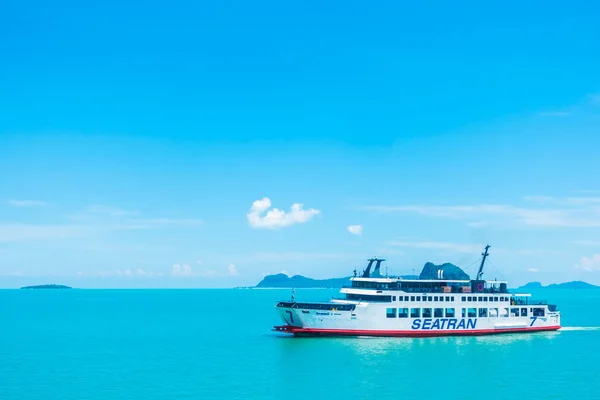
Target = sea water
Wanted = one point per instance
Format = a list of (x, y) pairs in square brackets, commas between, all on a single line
[(218, 344)]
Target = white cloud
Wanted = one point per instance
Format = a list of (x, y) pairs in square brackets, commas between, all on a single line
[(564, 201), (533, 270), (590, 263), (453, 247), (232, 270), (181, 270), (576, 212), (355, 229), (112, 211), (95, 220), (18, 232), (26, 203), (276, 218)]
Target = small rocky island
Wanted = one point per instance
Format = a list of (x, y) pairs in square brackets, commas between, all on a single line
[(47, 287)]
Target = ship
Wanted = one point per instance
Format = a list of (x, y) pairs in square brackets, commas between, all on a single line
[(380, 305)]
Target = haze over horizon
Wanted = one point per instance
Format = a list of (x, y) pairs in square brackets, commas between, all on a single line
[(208, 145)]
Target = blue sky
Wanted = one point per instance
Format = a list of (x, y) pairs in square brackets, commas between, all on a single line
[(148, 144)]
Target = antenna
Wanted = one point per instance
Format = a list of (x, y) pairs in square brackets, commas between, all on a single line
[(485, 255)]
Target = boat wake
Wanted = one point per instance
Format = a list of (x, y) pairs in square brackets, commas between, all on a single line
[(580, 328)]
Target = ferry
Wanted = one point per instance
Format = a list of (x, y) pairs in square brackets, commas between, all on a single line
[(378, 305)]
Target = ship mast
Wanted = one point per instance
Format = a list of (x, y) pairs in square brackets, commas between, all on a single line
[(484, 254)]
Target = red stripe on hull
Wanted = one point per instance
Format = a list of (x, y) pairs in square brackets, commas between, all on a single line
[(387, 333)]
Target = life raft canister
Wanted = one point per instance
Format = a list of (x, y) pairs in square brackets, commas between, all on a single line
[(480, 287)]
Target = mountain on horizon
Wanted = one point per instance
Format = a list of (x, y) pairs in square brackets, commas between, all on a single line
[(298, 281), (565, 285), (302, 282), (281, 280)]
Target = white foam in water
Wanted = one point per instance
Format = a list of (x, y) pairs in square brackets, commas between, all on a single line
[(580, 328)]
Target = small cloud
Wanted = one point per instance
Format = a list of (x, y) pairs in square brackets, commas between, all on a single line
[(199, 262), (232, 270), (181, 270), (112, 211), (26, 203), (276, 218), (590, 263), (355, 229), (533, 270), (478, 224)]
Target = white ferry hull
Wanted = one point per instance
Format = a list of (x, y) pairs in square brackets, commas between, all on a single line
[(367, 320)]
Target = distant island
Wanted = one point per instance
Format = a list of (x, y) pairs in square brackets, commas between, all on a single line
[(566, 285), (303, 282), (299, 281), (47, 287)]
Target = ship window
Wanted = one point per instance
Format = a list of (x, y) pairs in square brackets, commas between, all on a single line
[(450, 313), (390, 312), (485, 299), (447, 298), (501, 298), (496, 298), (503, 312), (403, 313), (538, 312), (441, 298), (438, 312), (368, 297), (452, 298), (523, 312), (514, 312), (493, 312), (394, 298), (469, 298), (429, 298), (405, 298), (464, 313), (435, 298), (474, 298), (472, 312), (464, 298), (482, 312), (427, 313), (412, 298), (418, 298), (415, 312)]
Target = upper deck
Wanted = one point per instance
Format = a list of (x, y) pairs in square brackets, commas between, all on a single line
[(427, 285)]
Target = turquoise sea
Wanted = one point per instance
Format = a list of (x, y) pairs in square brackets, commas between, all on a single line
[(217, 344)]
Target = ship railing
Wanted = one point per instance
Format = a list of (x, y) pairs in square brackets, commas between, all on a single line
[(454, 289)]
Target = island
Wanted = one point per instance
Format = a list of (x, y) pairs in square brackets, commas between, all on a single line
[(47, 287), (573, 285), (299, 281), (430, 271)]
